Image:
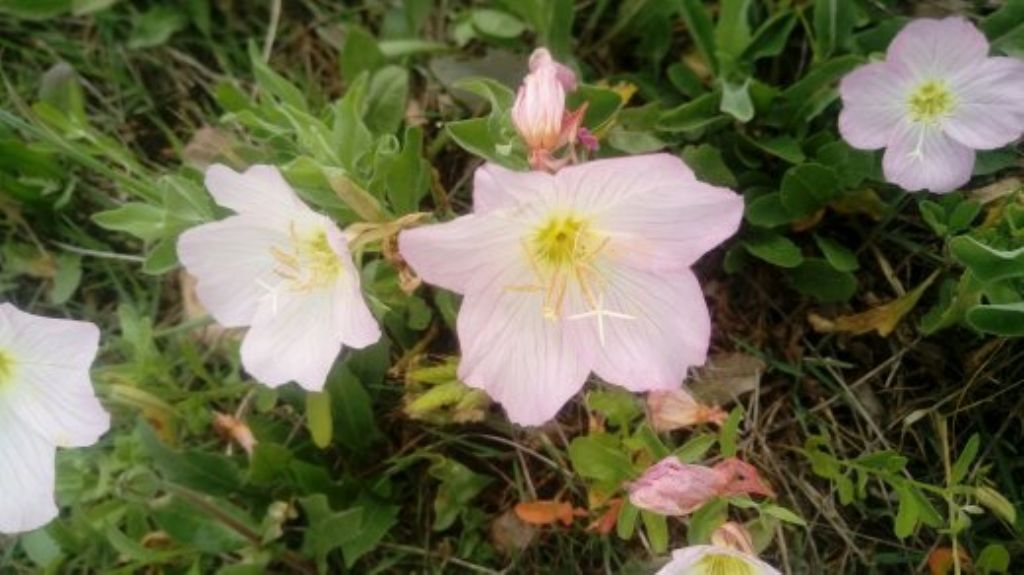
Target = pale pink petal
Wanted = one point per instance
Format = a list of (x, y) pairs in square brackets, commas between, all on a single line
[(657, 215), (294, 337), (355, 323), (921, 157), (669, 333), (989, 110), (233, 262), (709, 559), (495, 187), (260, 189), (49, 389), (530, 364), (451, 254), (26, 477), (538, 109), (938, 49), (874, 100)]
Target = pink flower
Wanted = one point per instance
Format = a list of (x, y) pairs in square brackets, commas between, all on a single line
[(712, 559), (584, 270), (282, 269), (671, 487), (935, 99), (539, 113), (676, 409)]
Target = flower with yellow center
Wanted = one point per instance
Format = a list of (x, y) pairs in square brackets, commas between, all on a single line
[(935, 99), (715, 560), (46, 402), (587, 269), (281, 269)]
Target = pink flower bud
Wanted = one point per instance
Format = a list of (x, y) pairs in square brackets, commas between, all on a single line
[(677, 409), (541, 58), (742, 478), (671, 487), (734, 536), (538, 109)]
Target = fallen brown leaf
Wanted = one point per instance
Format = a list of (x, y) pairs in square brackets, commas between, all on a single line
[(545, 512), (882, 319)]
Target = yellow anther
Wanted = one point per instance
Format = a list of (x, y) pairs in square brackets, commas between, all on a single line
[(930, 102)]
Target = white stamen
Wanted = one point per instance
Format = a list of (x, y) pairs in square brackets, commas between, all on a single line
[(600, 313)]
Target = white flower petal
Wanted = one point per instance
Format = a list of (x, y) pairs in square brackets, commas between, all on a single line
[(48, 388), (355, 324), (938, 49), (711, 560), (989, 110), (529, 364), (668, 334), (294, 338), (656, 213), (921, 157), (233, 263), (260, 189), (451, 254), (26, 477), (874, 101), (495, 187)]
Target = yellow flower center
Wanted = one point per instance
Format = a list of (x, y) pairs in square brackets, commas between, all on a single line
[(561, 240), (310, 262), (930, 101), (6, 368), (712, 564)]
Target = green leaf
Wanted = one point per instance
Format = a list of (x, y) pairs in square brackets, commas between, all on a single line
[(386, 98), (360, 53), (705, 520), (994, 558), (375, 521), (601, 458), (963, 463), (191, 525), (707, 163), (692, 115), (987, 263), (625, 525), (156, 26), (497, 24), (475, 136), (61, 88), (602, 105), (837, 254), (767, 211), (40, 548), (784, 147), (352, 408), (656, 528), (770, 39), (618, 406), (807, 188), (694, 449), (67, 278), (852, 165), (774, 248), (35, 9), (201, 471), (318, 417), (459, 486), (817, 278), (999, 319), (833, 25), (273, 84), (698, 24), (811, 94), (732, 34), (736, 100), (328, 529), (143, 221), (634, 142), (730, 431), (783, 514), (907, 515)]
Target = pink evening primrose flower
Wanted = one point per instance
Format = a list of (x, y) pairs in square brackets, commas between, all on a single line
[(281, 269), (46, 401), (934, 100), (671, 487), (715, 560), (584, 270)]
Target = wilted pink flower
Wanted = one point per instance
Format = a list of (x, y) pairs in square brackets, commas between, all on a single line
[(282, 269), (584, 270), (539, 113), (676, 409), (671, 487), (587, 139), (935, 99), (236, 430), (712, 559)]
